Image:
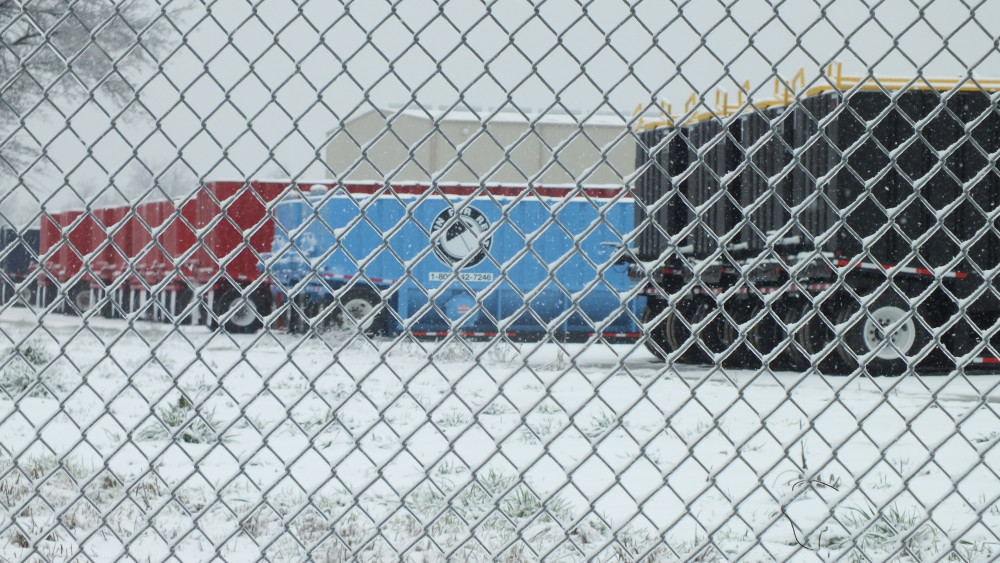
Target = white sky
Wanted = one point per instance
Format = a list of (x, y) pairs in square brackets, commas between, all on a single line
[(257, 86)]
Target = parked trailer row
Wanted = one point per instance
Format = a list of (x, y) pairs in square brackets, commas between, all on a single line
[(433, 259), (864, 210), (194, 259)]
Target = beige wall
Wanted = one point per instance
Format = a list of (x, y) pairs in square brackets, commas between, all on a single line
[(419, 153), (390, 149)]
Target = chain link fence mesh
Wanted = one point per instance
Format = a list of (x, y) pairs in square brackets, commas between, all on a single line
[(515, 281)]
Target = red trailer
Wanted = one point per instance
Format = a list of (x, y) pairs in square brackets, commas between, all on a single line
[(68, 242), (49, 249), (195, 258), (178, 239), (107, 263), (229, 214), (235, 229), (149, 264), (83, 240)]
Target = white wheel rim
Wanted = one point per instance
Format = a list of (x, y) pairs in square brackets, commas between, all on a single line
[(243, 313), (359, 310), (25, 295), (83, 301), (893, 345)]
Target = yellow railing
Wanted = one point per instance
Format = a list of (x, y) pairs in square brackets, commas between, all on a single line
[(838, 81), (786, 92)]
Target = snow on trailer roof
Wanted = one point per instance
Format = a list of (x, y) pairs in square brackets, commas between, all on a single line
[(304, 187), (785, 94), (597, 191)]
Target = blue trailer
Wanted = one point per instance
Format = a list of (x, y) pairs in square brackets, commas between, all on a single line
[(446, 259), (18, 259)]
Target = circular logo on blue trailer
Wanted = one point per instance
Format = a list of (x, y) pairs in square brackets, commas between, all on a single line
[(458, 236)]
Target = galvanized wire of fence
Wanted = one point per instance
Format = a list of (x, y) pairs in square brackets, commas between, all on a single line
[(416, 282)]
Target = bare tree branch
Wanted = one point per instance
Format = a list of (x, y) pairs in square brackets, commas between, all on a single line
[(55, 51)]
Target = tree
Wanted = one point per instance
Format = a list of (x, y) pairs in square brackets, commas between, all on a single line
[(57, 54)]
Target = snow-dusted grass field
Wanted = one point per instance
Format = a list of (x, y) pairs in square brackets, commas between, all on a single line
[(141, 442)]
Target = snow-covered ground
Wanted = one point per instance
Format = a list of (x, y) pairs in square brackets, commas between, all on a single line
[(135, 439)]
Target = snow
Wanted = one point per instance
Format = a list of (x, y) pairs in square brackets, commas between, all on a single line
[(291, 448)]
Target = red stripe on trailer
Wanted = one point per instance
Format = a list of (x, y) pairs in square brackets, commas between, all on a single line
[(761, 290), (986, 360), (463, 333), (807, 287), (490, 334), (904, 269), (451, 189), (466, 190)]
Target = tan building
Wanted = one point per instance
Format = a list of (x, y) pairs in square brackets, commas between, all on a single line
[(406, 145)]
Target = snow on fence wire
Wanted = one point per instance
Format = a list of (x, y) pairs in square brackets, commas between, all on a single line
[(275, 285)]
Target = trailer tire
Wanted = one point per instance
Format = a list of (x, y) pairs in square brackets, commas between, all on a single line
[(710, 335), (242, 315), (678, 331), (772, 332), (866, 335), (817, 332), (81, 300), (363, 309), (656, 336), (739, 311), (24, 295)]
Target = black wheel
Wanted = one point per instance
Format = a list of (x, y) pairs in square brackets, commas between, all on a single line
[(81, 300), (656, 335), (817, 332), (678, 333), (23, 295), (239, 314), (739, 311), (710, 334), (885, 338), (362, 309), (775, 332)]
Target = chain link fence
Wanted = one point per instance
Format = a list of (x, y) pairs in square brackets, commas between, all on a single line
[(508, 281)]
